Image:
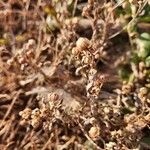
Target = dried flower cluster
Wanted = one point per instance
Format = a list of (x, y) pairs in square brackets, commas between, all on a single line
[(74, 75), (24, 57)]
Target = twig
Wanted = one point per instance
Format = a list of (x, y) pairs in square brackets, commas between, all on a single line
[(75, 6), (86, 135), (47, 143), (11, 106), (65, 146)]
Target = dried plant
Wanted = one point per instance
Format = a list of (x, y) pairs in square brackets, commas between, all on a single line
[(74, 74)]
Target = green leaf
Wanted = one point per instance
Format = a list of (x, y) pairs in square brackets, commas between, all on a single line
[(88, 145), (145, 36), (70, 6), (143, 52), (135, 58), (145, 142), (124, 72), (144, 19), (126, 110), (144, 45), (147, 61)]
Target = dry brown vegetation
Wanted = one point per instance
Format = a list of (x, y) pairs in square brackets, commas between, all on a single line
[(74, 74)]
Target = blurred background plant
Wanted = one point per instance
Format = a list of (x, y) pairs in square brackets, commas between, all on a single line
[(74, 74)]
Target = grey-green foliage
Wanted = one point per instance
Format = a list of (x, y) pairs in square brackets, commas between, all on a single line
[(143, 45)]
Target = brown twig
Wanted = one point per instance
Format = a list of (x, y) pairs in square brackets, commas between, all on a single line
[(86, 135)]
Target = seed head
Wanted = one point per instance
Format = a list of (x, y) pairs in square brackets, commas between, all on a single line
[(144, 90), (127, 88), (25, 114), (82, 43), (94, 132), (143, 93), (53, 96), (30, 54), (21, 60), (75, 51), (10, 61)]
